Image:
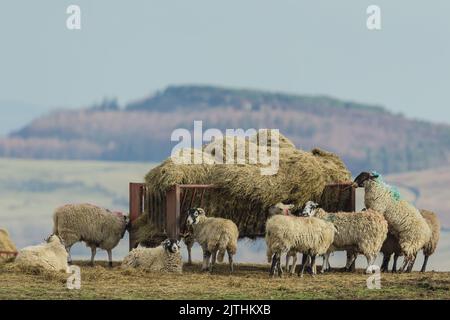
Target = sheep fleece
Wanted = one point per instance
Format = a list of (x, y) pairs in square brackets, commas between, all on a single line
[(363, 231), (154, 259), (405, 221), (391, 245), (217, 234), (89, 223), (302, 234), (50, 256)]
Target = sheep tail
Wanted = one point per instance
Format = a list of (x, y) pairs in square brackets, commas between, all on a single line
[(220, 255)]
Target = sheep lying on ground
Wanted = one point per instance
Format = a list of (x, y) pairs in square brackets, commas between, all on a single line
[(392, 246), (215, 236), (308, 235), (405, 221), (97, 227), (164, 258), (50, 255), (359, 232)]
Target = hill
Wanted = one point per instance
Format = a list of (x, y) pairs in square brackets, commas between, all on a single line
[(367, 137)]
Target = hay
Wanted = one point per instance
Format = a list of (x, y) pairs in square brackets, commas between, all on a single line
[(243, 194), (169, 173), (7, 245), (144, 232)]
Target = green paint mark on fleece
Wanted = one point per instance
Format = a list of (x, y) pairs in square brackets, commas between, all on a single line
[(395, 193)]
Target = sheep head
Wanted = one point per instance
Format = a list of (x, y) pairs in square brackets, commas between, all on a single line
[(195, 215), (281, 208), (365, 176), (310, 209), (171, 245)]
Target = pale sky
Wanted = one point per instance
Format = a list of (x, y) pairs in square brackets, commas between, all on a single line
[(128, 49)]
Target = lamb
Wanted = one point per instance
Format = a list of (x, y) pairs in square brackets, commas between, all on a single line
[(50, 255), (215, 236), (97, 227), (164, 258), (308, 235), (359, 232), (392, 246), (404, 220)]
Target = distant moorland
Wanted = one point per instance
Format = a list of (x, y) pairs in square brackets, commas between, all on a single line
[(365, 136)]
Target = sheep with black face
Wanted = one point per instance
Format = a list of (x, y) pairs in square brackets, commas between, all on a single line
[(164, 258), (215, 236)]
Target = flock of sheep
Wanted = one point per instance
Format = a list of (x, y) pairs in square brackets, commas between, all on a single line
[(388, 225)]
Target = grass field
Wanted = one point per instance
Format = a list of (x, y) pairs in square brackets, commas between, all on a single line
[(250, 281)]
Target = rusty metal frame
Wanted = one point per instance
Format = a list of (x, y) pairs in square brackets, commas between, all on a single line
[(174, 205), (137, 204), (176, 198)]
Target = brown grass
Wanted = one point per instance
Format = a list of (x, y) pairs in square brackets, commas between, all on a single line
[(248, 282)]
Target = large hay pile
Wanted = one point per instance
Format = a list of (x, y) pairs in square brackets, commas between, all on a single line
[(243, 194), (6, 245)]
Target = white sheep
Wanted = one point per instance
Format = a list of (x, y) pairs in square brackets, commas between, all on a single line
[(359, 232), (50, 255), (215, 236), (164, 258), (308, 235), (392, 245), (97, 227), (405, 221), (285, 209)]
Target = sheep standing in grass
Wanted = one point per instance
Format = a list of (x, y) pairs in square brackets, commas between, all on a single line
[(164, 258), (308, 235), (360, 232), (284, 209), (97, 227), (50, 255), (215, 236), (405, 222), (392, 246)]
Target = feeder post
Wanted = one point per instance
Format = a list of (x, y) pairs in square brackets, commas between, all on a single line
[(136, 208), (173, 212)]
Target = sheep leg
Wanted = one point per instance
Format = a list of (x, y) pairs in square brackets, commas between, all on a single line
[(411, 263), (325, 263), (294, 263), (274, 263), (424, 265), (385, 264), (213, 260), (230, 261), (394, 266), (206, 260), (110, 264), (69, 257), (405, 263), (288, 257), (350, 262), (302, 269), (93, 252), (189, 243), (279, 268), (370, 260), (313, 265)]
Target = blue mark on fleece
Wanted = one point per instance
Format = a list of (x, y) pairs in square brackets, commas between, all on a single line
[(395, 193)]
